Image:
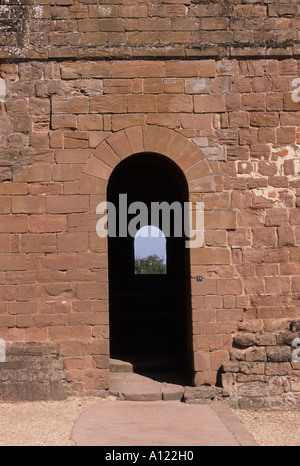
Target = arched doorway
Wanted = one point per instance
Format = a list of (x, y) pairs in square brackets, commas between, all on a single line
[(150, 321)]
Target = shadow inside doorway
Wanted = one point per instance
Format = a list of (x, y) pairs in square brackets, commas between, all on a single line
[(150, 317)]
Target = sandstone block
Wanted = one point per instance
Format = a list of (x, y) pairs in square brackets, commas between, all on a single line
[(244, 340)]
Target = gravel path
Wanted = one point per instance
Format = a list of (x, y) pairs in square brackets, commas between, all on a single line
[(45, 423), (50, 423), (277, 428)]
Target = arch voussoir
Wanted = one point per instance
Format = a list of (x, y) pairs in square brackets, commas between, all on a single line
[(95, 167), (190, 155), (200, 169), (157, 139), (120, 144), (106, 153), (136, 138), (150, 134), (164, 139)]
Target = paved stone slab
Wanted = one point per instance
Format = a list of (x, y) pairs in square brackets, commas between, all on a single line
[(118, 423)]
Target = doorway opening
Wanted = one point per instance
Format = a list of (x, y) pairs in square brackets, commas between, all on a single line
[(149, 272)]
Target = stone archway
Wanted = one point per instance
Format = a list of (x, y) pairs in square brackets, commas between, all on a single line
[(155, 139), (168, 143), (150, 317)]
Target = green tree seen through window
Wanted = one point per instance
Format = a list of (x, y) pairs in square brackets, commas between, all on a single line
[(151, 265)]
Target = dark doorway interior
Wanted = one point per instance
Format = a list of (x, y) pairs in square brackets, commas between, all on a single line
[(150, 314)]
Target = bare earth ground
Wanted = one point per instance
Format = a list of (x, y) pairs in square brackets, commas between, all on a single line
[(50, 423)]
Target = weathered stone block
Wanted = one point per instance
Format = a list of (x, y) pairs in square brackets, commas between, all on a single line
[(281, 369), (252, 390), (199, 395), (231, 366), (286, 338), (295, 326), (227, 384), (256, 354), (237, 355), (244, 340), (252, 367), (279, 354), (251, 403), (295, 386), (33, 371), (266, 339)]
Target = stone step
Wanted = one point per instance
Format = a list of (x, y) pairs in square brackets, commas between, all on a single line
[(135, 387), (129, 386), (120, 366)]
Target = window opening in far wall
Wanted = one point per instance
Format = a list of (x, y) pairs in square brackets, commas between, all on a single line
[(150, 251)]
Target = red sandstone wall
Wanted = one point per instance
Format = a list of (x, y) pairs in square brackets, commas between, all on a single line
[(135, 29), (53, 267), (64, 126)]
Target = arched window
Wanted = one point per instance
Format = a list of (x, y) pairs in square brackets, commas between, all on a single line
[(150, 251)]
